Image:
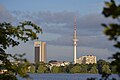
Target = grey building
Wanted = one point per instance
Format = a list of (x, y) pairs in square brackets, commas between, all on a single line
[(40, 51)]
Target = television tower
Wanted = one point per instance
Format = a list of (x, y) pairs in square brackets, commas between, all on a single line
[(75, 40)]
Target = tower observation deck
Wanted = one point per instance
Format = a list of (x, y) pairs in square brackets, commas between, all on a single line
[(75, 41)]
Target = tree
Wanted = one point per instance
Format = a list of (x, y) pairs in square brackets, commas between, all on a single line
[(10, 35), (83, 68), (32, 69), (55, 69), (22, 69), (106, 69), (63, 69), (68, 67), (75, 69), (112, 30), (105, 72), (94, 70), (100, 64), (113, 69), (41, 69)]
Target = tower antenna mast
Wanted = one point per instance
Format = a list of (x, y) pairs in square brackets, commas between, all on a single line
[(75, 40)]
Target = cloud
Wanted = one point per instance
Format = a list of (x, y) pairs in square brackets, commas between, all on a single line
[(66, 52), (89, 29), (49, 21), (63, 22), (58, 33), (5, 15), (84, 41)]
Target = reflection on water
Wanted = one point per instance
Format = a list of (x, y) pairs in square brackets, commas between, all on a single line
[(67, 76)]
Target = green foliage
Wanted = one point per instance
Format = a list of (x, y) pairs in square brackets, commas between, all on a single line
[(100, 64), (89, 66), (41, 69), (68, 68), (94, 70), (112, 30), (106, 69), (10, 35), (75, 69), (21, 32), (56, 69), (22, 70), (7, 77), (63, 69), (113, 69), (32, 69), (111, 10), (83, 68)]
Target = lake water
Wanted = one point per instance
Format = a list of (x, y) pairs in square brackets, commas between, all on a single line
[(36, 76)]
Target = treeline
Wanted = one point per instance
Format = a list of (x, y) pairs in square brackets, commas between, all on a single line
[(101, 67)]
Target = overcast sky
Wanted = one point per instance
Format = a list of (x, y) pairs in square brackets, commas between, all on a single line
[(56, 18)]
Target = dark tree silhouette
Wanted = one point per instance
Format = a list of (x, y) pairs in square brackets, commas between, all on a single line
[(112, 30), (10, 36)]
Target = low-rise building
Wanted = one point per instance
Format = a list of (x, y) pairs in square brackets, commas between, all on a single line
[(89, 59), (59, 63)]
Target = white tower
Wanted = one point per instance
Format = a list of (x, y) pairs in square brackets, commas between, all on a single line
[(75, 40)]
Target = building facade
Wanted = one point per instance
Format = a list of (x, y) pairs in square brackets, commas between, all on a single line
[(40, 51), (59, 63), (89, 59)]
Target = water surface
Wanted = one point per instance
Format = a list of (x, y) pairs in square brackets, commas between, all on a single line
[(37, 76)]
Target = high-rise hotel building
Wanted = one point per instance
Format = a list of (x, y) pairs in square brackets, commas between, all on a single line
[(40, 51)]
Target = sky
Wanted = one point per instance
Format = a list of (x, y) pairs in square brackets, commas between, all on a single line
[(56, 18)]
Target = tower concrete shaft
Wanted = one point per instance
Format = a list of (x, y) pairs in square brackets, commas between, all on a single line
[(75, 41)]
